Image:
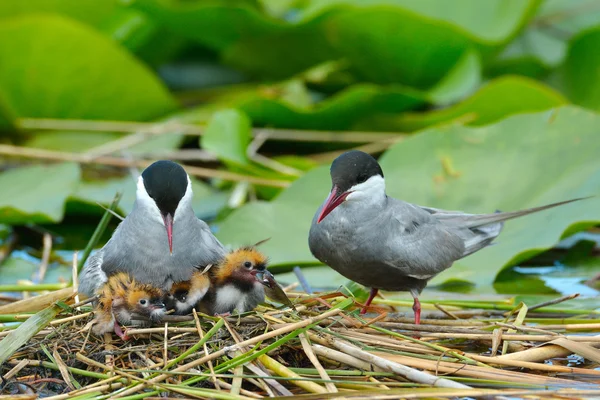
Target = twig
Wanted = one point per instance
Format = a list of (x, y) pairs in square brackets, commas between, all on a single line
[(294, 135), (315, 362), (448, 313), (407, 372), (47, 249), (43, 154), (555, 301)]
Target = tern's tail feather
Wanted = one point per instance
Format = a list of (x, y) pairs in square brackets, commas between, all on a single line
[(479, 230), (480, 237), (462, 220)]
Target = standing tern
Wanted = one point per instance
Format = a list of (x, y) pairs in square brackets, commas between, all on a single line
[(385, 243)]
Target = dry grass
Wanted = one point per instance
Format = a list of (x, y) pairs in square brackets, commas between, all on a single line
[(325, 350)]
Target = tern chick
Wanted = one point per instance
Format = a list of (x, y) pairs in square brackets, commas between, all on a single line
[(184, 296), (123, 300), (236, 282)]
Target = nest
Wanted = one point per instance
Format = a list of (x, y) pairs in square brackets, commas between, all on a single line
[(324, 349)]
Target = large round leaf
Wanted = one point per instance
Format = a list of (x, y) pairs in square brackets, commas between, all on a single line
[(36, 194), (288, 105), (57, 67), (93, 12), (581, 72), (402, 42), (498, 99), (523, 161)]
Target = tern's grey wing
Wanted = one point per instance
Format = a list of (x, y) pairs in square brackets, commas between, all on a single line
[(416, 242), (92, 276)]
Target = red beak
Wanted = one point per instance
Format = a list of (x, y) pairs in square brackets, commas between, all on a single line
[(334, 200), (168, 219)]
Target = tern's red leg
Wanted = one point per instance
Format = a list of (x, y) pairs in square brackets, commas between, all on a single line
[(417, 309), (120, 332), (369, 300)]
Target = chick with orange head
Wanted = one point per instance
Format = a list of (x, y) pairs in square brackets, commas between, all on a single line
[(123, 300), (184, 296), (236, 282)]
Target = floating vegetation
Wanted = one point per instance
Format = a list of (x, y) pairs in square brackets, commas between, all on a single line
[(324, 349)]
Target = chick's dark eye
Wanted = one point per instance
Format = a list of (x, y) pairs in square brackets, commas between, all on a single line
[(248, 264), (143, 302)]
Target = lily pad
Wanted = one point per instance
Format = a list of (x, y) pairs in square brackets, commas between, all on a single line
[(523, 161), (367, 34), (93, 12), (228, 135), (36, 194), (543, 44), (288, 105), (95, 79), (581, 71), (496, 100)]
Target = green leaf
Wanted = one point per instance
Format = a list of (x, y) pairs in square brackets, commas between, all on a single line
[(434, 35), (95, 77), (70, 141), (581, 71), (490, 21), (227, 135), (36, 194), (16, 268), (498, 99), (285, 105), (92, 12), (462, 79), (544, 42), (523, 161)]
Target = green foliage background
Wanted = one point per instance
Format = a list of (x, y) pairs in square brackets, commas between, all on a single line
[(492, 105)]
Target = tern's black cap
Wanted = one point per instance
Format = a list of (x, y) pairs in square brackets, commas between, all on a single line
[(166, 183), (352, 168)]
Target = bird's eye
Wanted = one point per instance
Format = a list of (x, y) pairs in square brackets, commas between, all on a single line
[(248, 264), (362, 178), (143, 302)]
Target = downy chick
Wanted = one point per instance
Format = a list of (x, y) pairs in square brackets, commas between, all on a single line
[(121, 300), (184, 296), (237, 282)]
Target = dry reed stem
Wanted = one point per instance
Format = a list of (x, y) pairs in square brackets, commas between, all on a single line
[(36, 303), (282, 370), (30, 152), (407, 372), (474, 371), (315, 362), (46, 250), (171, 127), (530, 338)]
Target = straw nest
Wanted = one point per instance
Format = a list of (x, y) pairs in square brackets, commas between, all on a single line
[(322, 350)]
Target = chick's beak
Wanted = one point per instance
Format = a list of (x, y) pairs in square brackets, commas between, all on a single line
[(158, 306), (335, 199), (168, 220), (259, 276)]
